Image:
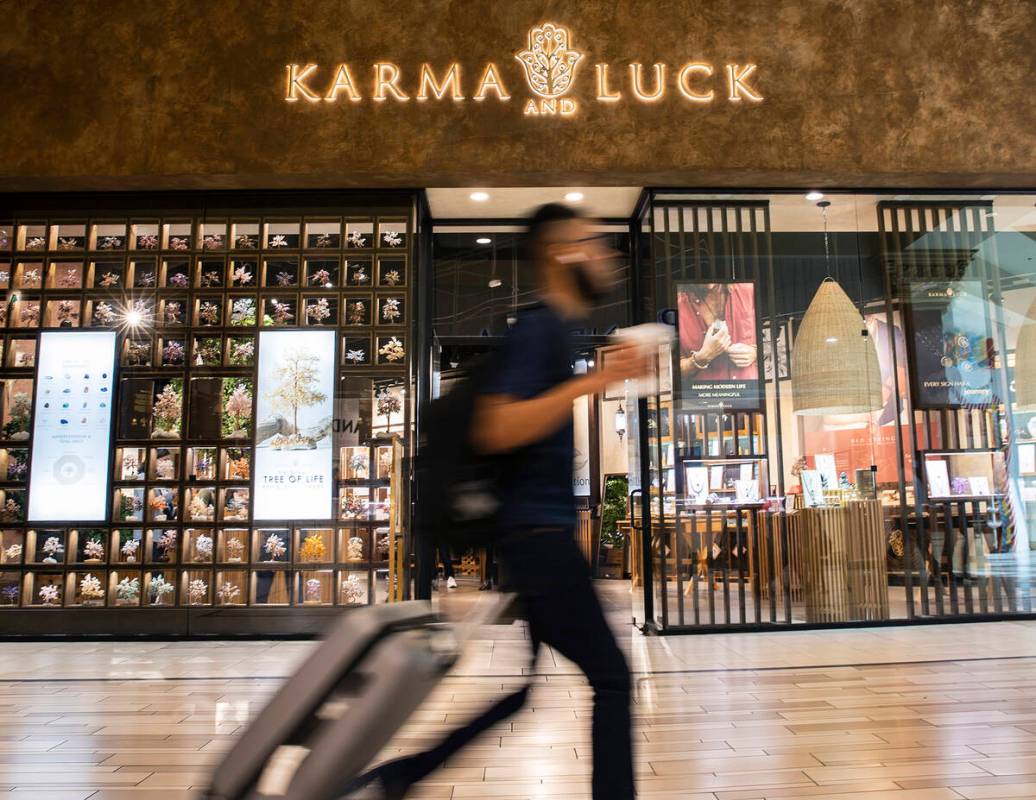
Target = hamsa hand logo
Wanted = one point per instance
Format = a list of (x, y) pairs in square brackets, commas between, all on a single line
[(550, 64)]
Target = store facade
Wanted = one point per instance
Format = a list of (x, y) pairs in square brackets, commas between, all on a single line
[(242, 249)]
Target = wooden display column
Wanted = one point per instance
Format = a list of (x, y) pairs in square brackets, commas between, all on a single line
[(396, 551), (841, 555)]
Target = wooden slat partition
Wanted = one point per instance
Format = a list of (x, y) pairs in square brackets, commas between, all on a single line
[(585, 534), (771, 523), (842, 557)]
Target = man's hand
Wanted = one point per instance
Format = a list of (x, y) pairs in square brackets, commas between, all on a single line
[(504, 423), (626, 363), (716, 343), (741, 354)]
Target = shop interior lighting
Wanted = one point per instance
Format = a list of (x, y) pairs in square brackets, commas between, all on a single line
[(483, 240), (495, 283), (479, 197), (620, 422), (133, 317), (574, 197), (814, 196)]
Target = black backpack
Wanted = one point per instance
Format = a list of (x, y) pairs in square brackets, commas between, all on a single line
[(459, 491)]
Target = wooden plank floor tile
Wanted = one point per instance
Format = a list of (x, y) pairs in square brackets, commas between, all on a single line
[(764, 716)]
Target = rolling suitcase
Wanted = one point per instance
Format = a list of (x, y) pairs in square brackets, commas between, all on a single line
[(328, 721)]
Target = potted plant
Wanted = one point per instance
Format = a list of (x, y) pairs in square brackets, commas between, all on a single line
[(613, 543), (352, 591), (197, 591), (50, 594), (228, 593), (130, 548), (312, 548), (312, 592), (203, 548), (90, 591), (237, 410), (94, 550), (127, 592), (166, 412), (274, 547), (167, 545), (159, 590), (53, 548), (233, 550)]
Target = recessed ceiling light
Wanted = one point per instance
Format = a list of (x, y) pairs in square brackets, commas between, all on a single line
[(574, 197), (483, 240), (814, 196), (479, 197), (496, 283)]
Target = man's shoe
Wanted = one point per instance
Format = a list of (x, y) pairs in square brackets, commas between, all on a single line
[(451, 583), (383, 781)]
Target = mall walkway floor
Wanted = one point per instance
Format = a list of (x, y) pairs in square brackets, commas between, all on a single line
[(927, 713)]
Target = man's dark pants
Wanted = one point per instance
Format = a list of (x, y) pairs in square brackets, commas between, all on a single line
[(545, 568)]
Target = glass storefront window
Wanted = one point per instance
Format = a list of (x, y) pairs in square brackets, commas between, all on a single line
[(868, 354)]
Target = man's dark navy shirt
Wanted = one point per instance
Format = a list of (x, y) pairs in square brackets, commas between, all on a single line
[(537, 356)]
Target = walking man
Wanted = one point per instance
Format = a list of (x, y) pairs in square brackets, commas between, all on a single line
[(525, 412)]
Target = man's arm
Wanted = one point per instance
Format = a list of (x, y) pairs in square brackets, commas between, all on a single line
[(504, 422)]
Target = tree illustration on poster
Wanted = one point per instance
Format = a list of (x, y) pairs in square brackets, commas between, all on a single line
[(294, 415), (297, 388)]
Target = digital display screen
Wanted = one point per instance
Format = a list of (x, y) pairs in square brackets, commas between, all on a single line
[(71, 432), (719, 353), (294, 413)]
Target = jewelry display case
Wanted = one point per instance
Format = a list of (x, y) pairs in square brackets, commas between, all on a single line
[(962, 474)]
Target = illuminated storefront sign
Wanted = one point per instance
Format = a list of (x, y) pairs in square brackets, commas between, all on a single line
[(550, 65), (71, 431), (294, 411)]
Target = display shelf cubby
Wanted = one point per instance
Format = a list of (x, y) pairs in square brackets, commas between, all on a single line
[(125, 588)]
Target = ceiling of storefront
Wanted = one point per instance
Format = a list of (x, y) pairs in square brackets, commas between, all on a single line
[(517, 202)]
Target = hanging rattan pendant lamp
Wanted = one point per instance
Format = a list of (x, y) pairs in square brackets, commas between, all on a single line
[(834, 364), (1025, 363)]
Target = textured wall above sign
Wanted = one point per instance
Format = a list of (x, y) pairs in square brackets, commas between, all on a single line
[(117, 94)]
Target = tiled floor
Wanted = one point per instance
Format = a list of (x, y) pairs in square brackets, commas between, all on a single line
[(925, 713)]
